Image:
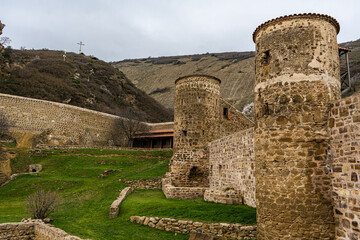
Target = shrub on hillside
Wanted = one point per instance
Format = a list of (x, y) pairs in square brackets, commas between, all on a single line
[(41, 204)]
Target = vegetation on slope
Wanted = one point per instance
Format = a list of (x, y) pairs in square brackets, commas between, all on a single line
[(235, 69), (81, 80), (86, 198)]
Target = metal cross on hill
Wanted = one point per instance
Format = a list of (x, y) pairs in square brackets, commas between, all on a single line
[(81, 44)]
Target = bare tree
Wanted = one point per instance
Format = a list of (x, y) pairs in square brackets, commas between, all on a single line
[(42, 204), (129, 126), (5, 41)]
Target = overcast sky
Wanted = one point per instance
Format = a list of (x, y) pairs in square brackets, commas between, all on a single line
[(123, 29)]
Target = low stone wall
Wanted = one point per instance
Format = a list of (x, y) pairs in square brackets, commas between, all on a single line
[(221, 230), (56, 123), (17, 231), (115, 206), (153, 183), (12, 177), (34, 229), (172, 192), (34, 121), (345, 151), (232, 166)]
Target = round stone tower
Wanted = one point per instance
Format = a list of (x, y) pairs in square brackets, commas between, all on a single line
[(296, 76), (196, 123)]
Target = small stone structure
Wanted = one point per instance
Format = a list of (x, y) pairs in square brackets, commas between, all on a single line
[(153, 183), (221, 230), (115, 206), (34, 229), (35, 168)]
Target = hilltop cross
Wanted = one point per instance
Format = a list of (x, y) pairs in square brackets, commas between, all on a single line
[(81, 44)]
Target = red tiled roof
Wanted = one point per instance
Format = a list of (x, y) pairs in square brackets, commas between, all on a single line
[(344, 49), (154, 136)]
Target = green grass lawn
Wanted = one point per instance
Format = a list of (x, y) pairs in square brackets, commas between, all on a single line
[(85, 198)]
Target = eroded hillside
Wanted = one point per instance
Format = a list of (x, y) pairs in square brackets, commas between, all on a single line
[(236, 70)]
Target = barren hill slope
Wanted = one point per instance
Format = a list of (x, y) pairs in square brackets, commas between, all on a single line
[(236, 70), (81, 80), (156, 76)]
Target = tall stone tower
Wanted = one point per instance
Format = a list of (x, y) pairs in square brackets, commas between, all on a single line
[(296, 76), (196, 123)]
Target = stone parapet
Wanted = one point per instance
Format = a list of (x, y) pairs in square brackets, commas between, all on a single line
[(221, 230), (33, 229)]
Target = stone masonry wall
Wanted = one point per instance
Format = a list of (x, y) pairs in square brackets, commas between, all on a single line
[(17, 231), (59, 123), (296, 78), (345, 150), (221, 230), (232, 167), (232, 120), (32, 230)]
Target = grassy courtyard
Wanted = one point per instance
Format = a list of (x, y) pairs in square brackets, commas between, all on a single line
[(85, 198)]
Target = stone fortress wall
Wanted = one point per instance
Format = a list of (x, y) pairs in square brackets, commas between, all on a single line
[(232, 166), (306, 163), (344, 126), (60, 124), (55, 123)]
